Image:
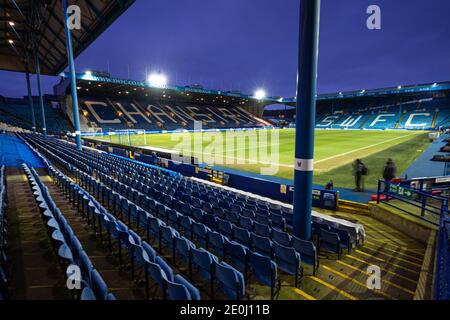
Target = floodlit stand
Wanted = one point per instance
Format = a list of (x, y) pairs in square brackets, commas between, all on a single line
[(306, 116)]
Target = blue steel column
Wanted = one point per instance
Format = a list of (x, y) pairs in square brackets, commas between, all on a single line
[(30, 100), (38, 79), (73, 83), (306, 116)]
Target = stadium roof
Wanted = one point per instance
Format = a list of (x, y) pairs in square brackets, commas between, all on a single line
[(104, 85), (21, 19)]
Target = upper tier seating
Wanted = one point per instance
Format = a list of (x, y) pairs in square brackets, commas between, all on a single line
[(19, 115)]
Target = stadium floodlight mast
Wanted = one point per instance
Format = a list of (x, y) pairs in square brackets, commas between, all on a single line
[(158, 80), (260, 94)]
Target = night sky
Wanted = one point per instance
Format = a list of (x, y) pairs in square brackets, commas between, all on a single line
[(247, 44)]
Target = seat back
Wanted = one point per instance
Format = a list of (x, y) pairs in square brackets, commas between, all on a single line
[(230, 280)]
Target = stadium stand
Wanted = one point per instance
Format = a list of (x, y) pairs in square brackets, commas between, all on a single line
[(414, 113), (16, 112), (120, 113), (167, 209)]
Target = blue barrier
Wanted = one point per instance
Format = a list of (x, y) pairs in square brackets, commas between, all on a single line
[(442, 276), (427, 207)]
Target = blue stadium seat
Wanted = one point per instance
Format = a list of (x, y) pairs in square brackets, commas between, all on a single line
[(216, 243), (261, 230), (288, 260), (242, 236), (262, 245), (230, 281), (281, 237), (307, 251), (330, 241), (236, 254), (264, 270)]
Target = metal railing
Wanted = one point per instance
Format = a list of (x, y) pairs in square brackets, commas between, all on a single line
[(420, 204)]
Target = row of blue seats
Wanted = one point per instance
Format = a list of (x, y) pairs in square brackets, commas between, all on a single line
[(139, 251), (324, 242), (4, 292), (173, 286), (287, 258), (209, 203), (222, 273), (208, 266), (227, 221), (195, 224), (346, 239), (67, 246)]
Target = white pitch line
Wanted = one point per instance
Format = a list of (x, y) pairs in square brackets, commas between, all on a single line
[(363, 148), (315, 162)]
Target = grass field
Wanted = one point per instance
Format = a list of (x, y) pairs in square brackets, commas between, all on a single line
[(271, 152)]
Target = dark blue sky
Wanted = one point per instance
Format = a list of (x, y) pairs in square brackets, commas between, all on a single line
[(246, 44)]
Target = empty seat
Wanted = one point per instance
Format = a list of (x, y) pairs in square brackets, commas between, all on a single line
[(288, 260), (308, 252), (225, 227), (261, 230), (242, 236), (281, 237), (236, 254), (264, 270), (246, 223), (230, 281), (216, 243), (345, 238), (199, 233), (202, 263), (330, 241), (181, 289), (262, 245)]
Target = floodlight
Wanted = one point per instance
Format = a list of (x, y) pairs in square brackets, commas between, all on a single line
[(11, 23), (157, 80), (11, 41), (259, 94)]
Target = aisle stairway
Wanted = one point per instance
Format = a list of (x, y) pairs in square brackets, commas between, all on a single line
[(34, 269), (117, 279)]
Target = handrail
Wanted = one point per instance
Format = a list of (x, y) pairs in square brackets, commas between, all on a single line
[(435, 205)]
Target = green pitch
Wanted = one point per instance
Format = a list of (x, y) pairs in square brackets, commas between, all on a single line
[(271, 152)]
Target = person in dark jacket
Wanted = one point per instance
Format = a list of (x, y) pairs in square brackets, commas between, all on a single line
[(390, 170), (359, 171)]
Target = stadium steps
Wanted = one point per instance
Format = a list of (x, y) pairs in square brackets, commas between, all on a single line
[(353, 207), (35, 272), (118, 280), (398, 256)]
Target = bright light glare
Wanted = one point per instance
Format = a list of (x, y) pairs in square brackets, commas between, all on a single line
[(157, 80), (11, 42), (11, 23), (88, 73), (260, 94)]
